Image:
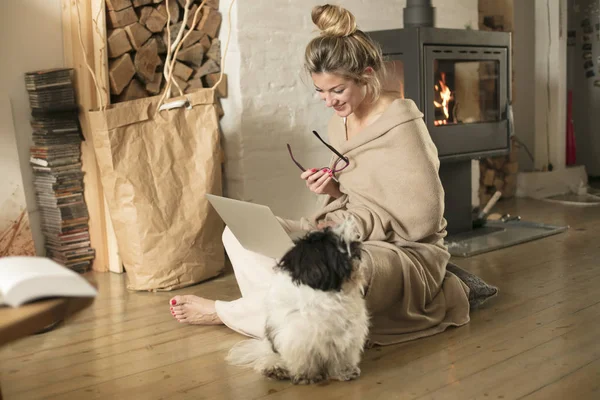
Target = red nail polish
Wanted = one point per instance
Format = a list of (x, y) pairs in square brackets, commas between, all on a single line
[(173, 302), (171, 308), (313, 170)]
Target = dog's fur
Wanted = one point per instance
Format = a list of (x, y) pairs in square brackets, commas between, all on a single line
[(317, 321)]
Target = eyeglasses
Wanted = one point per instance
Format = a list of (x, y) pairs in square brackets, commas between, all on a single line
[(342, 161)]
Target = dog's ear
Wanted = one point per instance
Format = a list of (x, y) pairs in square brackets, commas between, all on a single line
[(356, 250), (316, 261)]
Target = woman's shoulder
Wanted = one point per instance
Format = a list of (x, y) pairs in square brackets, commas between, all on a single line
[(402, 108)]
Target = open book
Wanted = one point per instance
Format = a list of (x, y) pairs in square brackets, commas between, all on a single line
[(25, 279)]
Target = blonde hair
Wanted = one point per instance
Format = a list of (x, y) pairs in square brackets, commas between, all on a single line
[(343, 49)]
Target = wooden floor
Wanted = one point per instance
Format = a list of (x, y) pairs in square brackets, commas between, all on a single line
[(539, 339)]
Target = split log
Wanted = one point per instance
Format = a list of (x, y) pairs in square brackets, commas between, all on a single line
[(205, 42), (118, 43), (209, 67), (498, 163), (156, 21), (121, 70), (182, 71), (135, 90), (121, 18), (174, 29), (117, 5), (190, 19), (510, 179), (154, 85), (139, 3), (195, 37), (174, 10), (212, 4), (160, 44), (211, 80), (511, 168), (195, 84), (157, 1), (146, 61), (214, 53), (210, 22), (144, 13), (488, 178), (498, 173), (138, 35), (182, 84), (192, 55), (499, 183)]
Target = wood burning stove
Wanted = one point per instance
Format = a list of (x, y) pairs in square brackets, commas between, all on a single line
[(460, 80)]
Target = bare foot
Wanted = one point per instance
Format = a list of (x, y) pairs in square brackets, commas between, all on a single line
[(194, 310)]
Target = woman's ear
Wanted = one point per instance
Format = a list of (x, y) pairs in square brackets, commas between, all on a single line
[(368, 75)]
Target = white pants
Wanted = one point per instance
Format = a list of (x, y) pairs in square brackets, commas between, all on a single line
[(254, 273)]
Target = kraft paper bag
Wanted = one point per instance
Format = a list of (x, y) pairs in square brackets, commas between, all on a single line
[(156, 167)]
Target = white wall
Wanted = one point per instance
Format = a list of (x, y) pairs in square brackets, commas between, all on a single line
[(31, 32), (12, 197), (271, 101)]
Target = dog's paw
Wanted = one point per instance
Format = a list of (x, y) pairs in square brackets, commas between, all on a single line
[(349, 375), (277, 373), (308, 380)]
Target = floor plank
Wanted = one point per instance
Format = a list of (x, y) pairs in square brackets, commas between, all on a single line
[(582, 382), (536, 340)]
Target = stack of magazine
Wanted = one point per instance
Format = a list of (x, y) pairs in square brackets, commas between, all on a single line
[(56, 161)]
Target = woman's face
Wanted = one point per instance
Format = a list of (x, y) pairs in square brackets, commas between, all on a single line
[(343, 95)]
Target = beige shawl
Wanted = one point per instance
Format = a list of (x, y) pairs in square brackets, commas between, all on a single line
[(393, 192)]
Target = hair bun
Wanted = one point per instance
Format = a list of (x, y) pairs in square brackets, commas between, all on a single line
[(334, 20)]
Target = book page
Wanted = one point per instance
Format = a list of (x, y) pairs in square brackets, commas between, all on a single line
[(25, 278)]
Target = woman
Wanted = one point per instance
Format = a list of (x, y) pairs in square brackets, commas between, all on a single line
[(390, 188)]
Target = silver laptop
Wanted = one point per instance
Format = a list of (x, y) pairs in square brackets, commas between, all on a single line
[(254, 225)]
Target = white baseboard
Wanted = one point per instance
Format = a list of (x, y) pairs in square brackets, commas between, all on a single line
[(539, 185)]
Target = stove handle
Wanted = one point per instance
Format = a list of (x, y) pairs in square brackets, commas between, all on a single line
[(508, 115)]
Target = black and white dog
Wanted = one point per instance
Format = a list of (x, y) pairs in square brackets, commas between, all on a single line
[(317, 321)]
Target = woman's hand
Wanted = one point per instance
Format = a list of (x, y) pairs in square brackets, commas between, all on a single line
[(321, 182), (322, 224)]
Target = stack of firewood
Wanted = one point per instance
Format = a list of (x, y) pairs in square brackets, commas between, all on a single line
[(498, 173), (137, 38)]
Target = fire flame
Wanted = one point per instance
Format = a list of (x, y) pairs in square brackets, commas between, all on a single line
[(445, 95)]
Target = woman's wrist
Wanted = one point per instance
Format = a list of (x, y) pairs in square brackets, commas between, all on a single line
[(336, 193)]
